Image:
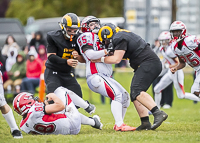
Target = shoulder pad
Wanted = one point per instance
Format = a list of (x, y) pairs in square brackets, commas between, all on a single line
[(191, 42)]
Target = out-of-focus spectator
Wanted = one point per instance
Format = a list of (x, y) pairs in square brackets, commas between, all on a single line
[(3, 67), (16, 74), (37, 41), (42, 53), (10, 42), (33, 71), (11, 60)]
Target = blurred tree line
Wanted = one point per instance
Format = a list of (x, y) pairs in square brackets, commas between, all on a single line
[(22, 9)]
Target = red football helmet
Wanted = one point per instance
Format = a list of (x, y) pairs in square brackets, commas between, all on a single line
[(85, 24), (178, 25), (23, 102)]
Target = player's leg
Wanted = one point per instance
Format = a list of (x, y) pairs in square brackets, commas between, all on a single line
[(179, 86), (92, 121), (196, 85), (8, 114), (162, 84), (73, 115), (143, 78), (144, 116), (62, 92), (107, 87), (125, 97)]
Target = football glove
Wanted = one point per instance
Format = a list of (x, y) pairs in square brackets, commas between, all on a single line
[(110, 48)]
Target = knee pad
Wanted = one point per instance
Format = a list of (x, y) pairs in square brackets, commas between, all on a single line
[(126, 100), (96, 81)]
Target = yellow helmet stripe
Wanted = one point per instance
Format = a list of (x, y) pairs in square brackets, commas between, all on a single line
[(69, 20), (79, 23), (108, 36)]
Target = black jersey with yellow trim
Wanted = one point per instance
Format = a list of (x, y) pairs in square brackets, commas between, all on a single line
[(56, 43), (134, 44)]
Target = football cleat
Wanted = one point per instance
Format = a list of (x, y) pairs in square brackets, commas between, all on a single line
[(91, 108), (144, 126), (98, 124), (124, 128), (17, 134), (159, 117)]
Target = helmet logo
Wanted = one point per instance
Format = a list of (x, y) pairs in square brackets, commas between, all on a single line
[(106, 32)]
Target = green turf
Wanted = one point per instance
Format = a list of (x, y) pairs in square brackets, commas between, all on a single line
[(182, 125)]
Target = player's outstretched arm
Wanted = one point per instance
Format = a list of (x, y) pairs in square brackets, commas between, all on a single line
[(56, 106), (115, 59)]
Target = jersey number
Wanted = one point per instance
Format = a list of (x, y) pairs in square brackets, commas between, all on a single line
[(45, 128), (193, 61), (82, 41), (38, 108)]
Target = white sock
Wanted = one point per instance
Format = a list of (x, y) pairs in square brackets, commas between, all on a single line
[(78, 101), (86, 120), (158, 97), (123, 112), (11, 120), (191, 96), (116, 108)]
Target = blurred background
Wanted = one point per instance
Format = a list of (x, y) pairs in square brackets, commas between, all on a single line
[(144, 17), (27, 22)]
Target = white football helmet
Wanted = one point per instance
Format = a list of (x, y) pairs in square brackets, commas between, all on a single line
[(23, 102), (164, 38), (85, 24), (178, 25)]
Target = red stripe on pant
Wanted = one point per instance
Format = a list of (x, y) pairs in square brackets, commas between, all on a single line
[(182, 88), (68, 100), (109, 91)]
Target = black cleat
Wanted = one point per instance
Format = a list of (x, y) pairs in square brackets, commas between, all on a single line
[(159, 117), (17, 134), (91, 108), (144, 126), (98, 124)]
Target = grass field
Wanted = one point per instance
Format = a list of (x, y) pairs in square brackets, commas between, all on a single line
[(182, 125)]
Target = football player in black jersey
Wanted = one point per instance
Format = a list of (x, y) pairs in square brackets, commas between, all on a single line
[(60, 46), (145, 63)]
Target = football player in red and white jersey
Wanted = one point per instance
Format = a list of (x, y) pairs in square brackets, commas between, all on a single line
[(57, 115), (7, 111), (185, 49), (177, 78), (99, 74)]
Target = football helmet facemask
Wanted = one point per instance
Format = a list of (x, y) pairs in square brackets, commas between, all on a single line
[(175, 26), (88, 22), (23, 102), (72, 21)]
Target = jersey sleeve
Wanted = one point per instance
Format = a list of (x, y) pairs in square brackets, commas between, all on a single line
[(170, 52), (51, 48), (120, 44), (191, 42), (85, 41)]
